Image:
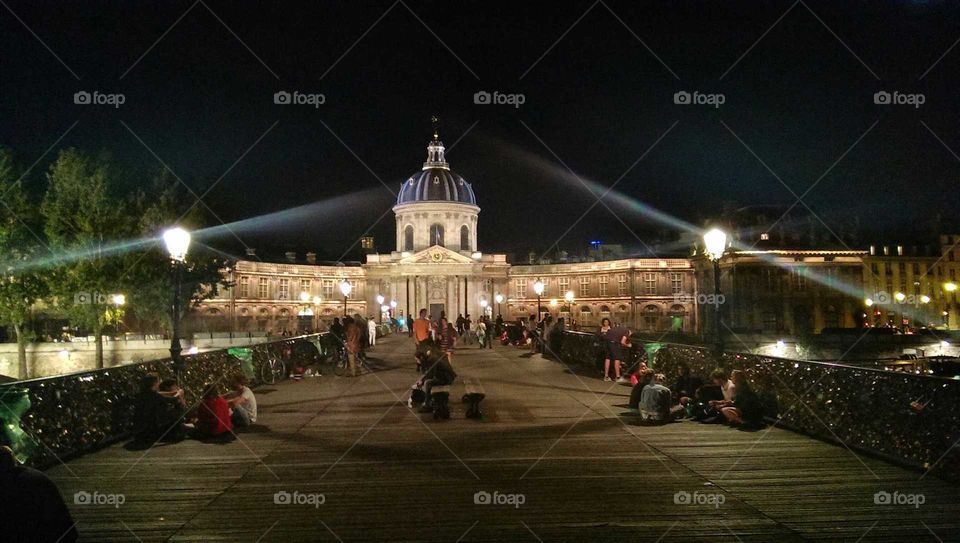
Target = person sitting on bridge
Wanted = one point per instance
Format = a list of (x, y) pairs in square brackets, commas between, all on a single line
[(32, 508), (745, 409), (644, 377), (242, 402), (438, 372), (655, 402), (156, 417), (213, 414)]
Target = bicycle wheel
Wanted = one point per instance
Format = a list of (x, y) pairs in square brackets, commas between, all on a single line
[(268, 374)]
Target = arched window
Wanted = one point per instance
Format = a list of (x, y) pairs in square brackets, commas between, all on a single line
[(436, 234), (408, 238), (464, 238)]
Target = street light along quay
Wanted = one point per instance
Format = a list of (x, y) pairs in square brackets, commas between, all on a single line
[(715, 243), (569, 298), (345, 288), (380, 300), (177, 241), (538, 288), (499, 299)]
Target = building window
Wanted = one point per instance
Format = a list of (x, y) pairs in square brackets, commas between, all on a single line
[(263, 288), (328, 288), (436, 234), (676, 283), (564, 286), (602, 286), (801, 280), (305, 286), (651, 317), (873, 269), (584, 286), (521, 288), (283, 292), (650, 284), (244, 287), (464, 238), (408, 238), (366, 242), (622, 284)]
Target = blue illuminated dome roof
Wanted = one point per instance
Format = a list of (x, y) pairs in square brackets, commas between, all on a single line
[(435, 182)]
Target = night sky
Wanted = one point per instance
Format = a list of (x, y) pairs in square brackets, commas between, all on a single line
[(597, 97)]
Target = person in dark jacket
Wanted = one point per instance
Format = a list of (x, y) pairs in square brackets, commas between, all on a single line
[(437, 372), (745, 409), (31, 507), (156, 417)]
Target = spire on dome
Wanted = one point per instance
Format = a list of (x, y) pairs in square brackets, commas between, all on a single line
[(435, 149)]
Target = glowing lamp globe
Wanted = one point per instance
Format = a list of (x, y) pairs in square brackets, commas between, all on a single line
[(177, 241), (715, 242)]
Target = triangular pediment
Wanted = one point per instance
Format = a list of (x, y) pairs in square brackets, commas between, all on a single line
[(436, 255)]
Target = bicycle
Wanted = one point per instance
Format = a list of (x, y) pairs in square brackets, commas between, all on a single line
[(272, 370)]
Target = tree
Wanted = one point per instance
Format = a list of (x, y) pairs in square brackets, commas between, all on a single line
[(86, 221), (204, 272), (22, 285)]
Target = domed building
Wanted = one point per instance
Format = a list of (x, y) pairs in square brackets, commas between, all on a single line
[(437, 264), (436, 207)]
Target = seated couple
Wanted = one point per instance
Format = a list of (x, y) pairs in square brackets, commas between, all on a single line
[(437, 371), (730, 399), (161, 414)]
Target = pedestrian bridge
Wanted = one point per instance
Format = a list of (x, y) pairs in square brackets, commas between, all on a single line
[(344, 459)]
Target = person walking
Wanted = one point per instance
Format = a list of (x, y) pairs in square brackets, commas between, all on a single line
[(409, 326), (371, 331), (467, 334), (448, 338), (460, 324)]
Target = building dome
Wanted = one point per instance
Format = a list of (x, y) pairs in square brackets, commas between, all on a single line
[(436, 182)]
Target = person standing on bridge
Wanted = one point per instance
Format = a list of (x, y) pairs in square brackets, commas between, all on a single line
[(618, 340), (372, 331), (353, 345)]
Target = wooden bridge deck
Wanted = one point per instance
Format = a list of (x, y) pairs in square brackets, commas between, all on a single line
[(387, 473)]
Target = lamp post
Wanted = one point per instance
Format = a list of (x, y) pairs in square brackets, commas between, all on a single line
[(316, 313), (538, 288), (715, 242), (177, 241), (499, 299), (345, 288), (569, 298), (380, 300), (483, 306)]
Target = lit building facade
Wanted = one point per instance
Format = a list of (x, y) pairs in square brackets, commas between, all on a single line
[(437, 265)]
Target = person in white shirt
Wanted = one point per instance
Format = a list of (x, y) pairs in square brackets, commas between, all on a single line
[(372, 331), (242, 403)]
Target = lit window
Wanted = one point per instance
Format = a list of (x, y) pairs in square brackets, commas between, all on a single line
[(521, 288), (584, 286), (283, 293), (602, 286)]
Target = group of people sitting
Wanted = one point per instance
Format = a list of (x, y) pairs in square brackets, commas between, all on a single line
[(727, 398), (161, 413)]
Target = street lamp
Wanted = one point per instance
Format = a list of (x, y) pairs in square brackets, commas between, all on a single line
[(483, 306), (538, 288), (499, 299), (380, 300), (715, 242), (316, 313), (345, 288), (177, 242)]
